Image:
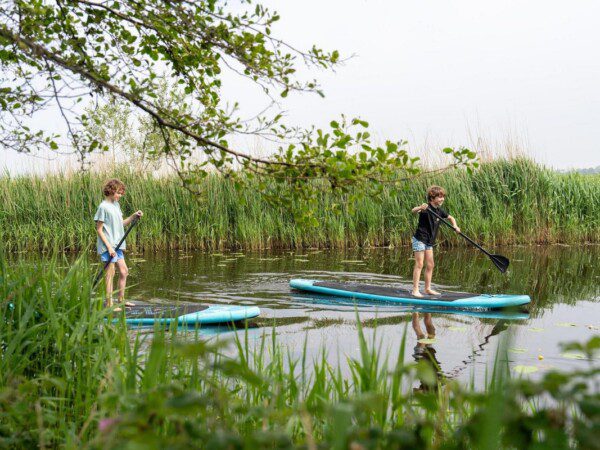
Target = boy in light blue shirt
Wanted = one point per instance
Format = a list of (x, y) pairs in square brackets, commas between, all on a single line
[(110, 227)]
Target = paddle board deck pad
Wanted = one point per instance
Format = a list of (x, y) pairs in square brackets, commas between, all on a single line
[(399, 295), (189, 314)]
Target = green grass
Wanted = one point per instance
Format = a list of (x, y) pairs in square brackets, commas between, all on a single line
[(505, 202), (71, 379)]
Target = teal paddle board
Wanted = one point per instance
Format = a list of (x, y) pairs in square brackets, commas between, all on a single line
[(188, 314), (404, 296)]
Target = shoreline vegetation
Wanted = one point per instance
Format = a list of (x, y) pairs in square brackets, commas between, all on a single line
[(72, 378), (504, 202)]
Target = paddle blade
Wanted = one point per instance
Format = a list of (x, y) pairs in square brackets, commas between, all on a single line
[(501, 262)]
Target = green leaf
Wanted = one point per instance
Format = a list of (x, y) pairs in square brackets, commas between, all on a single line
[(525, 370)]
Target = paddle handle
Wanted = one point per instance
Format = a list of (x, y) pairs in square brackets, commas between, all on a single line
[(99, 276), (463, 235)]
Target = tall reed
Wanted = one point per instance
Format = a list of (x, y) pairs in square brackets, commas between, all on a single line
[(505, 202)]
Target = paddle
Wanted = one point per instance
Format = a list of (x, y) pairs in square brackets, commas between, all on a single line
[(99, 276), (501, 262)]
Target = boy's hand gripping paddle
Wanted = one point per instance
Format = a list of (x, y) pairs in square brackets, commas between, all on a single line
[(501, 262), (99, 276)]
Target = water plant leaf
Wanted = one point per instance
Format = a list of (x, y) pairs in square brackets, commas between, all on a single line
[(572, 355), (517, 350), (459, 329), (565, 324), (524, 370), (535, 329), (427, 341)]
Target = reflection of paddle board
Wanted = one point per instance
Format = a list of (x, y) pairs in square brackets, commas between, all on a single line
[(188, 314), (403, 296)]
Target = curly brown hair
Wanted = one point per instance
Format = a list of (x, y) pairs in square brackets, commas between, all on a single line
[(435, 192), (111, 186)]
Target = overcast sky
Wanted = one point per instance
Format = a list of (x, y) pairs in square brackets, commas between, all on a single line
[(445, 72)]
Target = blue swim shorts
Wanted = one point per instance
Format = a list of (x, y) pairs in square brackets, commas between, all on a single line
[(104, 256), (419, 246)]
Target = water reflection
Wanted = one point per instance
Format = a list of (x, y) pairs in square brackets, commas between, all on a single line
[(426, 354)]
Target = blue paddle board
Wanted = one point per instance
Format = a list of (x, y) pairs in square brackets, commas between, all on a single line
[(188, 314), (352, 303), (404, 296)]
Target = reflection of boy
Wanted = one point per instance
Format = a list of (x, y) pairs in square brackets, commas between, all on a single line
[(426, 353), (424, 238)]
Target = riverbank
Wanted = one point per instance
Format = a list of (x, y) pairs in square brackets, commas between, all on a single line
[(504, 202), (71, 379)]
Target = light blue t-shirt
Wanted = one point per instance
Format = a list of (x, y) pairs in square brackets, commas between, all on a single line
[(110, 214)]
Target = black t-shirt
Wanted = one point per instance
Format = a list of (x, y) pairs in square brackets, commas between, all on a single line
[(428, 225)]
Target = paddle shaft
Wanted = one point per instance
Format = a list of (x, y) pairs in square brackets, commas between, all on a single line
[(99, 276), (463, 235)]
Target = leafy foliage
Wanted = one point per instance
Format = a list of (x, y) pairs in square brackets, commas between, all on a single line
[(61, 52)]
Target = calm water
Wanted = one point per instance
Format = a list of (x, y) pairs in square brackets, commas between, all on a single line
[(562, 281)]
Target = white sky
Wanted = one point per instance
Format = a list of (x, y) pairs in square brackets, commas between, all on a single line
[(438, 73)]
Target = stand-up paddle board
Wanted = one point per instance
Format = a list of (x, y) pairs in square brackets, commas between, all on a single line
[(188, 314), (404, 296), (345, 303)]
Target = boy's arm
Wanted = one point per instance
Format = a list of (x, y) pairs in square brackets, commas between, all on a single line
[(418, 209), (453, 222), (100, 232), (130, 218)]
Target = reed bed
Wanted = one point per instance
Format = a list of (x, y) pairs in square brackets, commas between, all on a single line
[(72, 378), (504, 202)]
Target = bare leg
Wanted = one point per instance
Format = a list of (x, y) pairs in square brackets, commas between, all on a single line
[(108, 278), (123, 272), (429, 272), (419, 256)]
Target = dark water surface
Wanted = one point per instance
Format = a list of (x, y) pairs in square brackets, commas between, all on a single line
[(563, 282)]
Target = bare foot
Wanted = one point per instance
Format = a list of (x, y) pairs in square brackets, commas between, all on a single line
[(432, 292), (126, 304), (416, 294)]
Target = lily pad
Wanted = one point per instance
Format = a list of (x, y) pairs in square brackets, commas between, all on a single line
[(517, 350), (565, 324), (573, 355), (459, 329), (537, 330), (525, 369), (427, 341)]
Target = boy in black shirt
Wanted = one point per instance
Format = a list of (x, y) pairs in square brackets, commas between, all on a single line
[(424, 238)]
